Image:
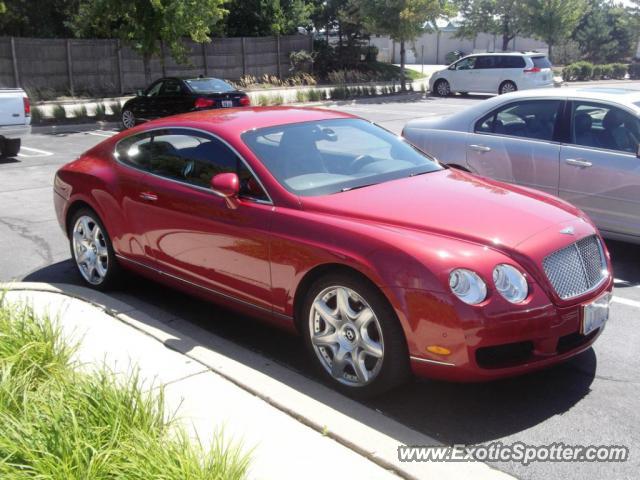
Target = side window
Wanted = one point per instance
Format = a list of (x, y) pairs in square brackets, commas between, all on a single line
[(466, 63), (604, 126), (511, 61), (187, 157), (483, 63), (527, 119), (154, 90), (171, 88)]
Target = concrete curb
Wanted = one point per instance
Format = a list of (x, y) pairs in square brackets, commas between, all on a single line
[(73, 128), (363, 430)]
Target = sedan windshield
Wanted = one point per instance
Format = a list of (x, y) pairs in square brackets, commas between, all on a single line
[(332, 156), (209, 85)]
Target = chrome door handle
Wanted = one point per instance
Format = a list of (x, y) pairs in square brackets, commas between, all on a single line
[(148, 196), (578, 163), (480, 148)]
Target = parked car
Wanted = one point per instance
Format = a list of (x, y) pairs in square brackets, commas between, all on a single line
[(493, 73), (579, 144), (15, 120), (385, 261), (170, 96)]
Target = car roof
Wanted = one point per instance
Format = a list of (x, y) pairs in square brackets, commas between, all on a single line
[(239, 120), (625, 96), (509, 54)]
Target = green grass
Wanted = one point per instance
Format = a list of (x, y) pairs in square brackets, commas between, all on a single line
[(59, 113), (59, 423), (387, 71)]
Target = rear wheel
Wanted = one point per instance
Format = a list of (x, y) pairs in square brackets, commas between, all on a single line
[(354, 336), (128, 119), (442, 88), (91, 250), (507, 87)]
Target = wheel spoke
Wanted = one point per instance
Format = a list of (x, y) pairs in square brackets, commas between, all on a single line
[(371, 347), (363, 318), (357, 362), (339, 363), (328, 315), (342, 300), (325, 339), (101, 251)]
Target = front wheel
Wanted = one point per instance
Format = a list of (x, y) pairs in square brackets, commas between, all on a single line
[(128, 119), (507, 87), (92, 251), (442, 88), (354, 336)]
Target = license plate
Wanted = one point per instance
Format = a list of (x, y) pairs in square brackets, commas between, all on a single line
[(227, 103), (595, 314)]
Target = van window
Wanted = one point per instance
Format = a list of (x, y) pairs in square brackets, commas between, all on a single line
[(511, 61), (541, 62)]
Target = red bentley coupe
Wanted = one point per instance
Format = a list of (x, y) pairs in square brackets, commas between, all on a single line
[(384, 260)]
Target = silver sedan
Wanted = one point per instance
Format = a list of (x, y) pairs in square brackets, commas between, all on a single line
[(581, 144)]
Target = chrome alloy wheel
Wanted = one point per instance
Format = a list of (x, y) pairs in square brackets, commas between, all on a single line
[(128, 119), (508, 87), (90, 250), (443, 88), (346, 336)]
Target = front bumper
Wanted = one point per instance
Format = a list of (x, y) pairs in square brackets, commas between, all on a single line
[(488, 344)]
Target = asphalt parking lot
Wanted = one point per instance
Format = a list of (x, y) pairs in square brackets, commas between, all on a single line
[(592, 400)]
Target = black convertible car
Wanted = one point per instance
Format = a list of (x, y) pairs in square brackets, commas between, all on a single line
[(170, 96)]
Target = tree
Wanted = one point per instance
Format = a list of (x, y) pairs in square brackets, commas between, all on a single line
[(402, 20), (256, 18), (36, 18), (499, 17), (144, 24), (552, 21), (606, 33)]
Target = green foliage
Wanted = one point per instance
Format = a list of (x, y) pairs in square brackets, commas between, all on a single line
[(619, 71), (60, 423), (552, 20), (36, 115), (315, 95), (143, 24), (583, 70), (100, 111), (263, 100), (302, 96), (116, 109), (80, 112), (276, 100), (301, 61), (59, 113), (634, 71), (606, 32), (36, 18), (257, 18), (606, 70), (505, 18)]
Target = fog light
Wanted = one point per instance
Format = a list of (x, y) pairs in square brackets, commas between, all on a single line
[(438, 350)]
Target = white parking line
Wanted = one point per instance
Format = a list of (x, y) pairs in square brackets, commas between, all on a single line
[(37, 151), (626, 301), (102, 133)]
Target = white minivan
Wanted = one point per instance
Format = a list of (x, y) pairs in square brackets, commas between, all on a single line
[(493, 73), (15, 120)]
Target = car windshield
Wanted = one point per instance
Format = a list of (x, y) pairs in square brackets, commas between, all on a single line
[(332, 156), (209, 85)]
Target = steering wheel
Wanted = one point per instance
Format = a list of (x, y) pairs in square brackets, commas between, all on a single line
[(360, 161)]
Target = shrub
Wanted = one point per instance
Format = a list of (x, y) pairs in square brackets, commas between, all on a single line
[(80, 112), (607, 71), (302, 96), (36, 115), (263, 100), (619, 71), (597, 72), (301, 61), (315, 95), (634, 70), (578, 71), (116, 109), (276, 100), (100, 111), (59, 113)]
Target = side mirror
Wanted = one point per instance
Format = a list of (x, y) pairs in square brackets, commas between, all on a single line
[(227, 186)]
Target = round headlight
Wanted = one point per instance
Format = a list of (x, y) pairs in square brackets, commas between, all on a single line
[(467, 286), (510, 283)]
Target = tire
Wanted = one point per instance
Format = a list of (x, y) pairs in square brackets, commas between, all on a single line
[(128, 119), (507, 87), (442, 88), (100, 270), (378, 345)]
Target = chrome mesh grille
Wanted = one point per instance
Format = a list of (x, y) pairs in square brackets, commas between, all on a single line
[(576, 269)]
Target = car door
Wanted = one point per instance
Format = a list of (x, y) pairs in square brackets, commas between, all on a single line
[(515, 143), (146, 105), (484, 73), (462, 75), (600, 168), (192, 234), (174, 98)]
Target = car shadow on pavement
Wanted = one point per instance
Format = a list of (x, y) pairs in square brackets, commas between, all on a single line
[(7, 160), (625, 262), (449, 412)]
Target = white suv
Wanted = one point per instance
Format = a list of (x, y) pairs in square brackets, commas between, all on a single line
[(493, 73)]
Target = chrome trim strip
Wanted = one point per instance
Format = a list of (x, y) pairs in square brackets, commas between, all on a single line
[(206, 133), (215, 292), (434, 362)]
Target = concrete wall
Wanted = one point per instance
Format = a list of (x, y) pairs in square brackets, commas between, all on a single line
[(435, 46), (106, 67)]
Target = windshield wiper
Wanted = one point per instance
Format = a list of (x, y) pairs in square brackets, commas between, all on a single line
[(348, 189)]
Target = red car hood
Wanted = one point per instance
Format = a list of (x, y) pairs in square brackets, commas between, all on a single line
[(452, 203)]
